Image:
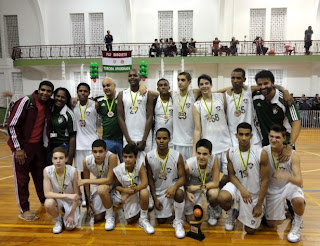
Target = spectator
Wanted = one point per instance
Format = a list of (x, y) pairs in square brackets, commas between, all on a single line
[(215, 47), (233, 46), (260, 49), (307, 39), (303, 104), (192, 46), (172, 48), (184, 47), (316, 102), (108, 39), (155, 49), (164, 46)]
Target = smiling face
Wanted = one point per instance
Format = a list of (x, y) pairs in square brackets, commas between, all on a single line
[(205, 86), (134, 78), (265, 86), (109, 87), (44, 93), (276, 139), (83, 93), (60, 99), (244, 136), (59, 160), (203, 155)]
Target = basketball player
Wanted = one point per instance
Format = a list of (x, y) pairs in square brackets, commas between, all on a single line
[(101, 164), (166, 179), (61, 191), (202, 173), (132, 181), (248, 169), (285, 183)]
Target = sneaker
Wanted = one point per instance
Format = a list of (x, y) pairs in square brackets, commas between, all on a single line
[(211, 216), (147, 227), (178, 227), (110, 223), (57, 228), (294, 234), (217, 210), (151, 203), (230, 218)]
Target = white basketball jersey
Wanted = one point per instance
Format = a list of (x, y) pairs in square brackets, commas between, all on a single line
[(195, 176), (163, 181), (88, 133), (247, 115), (252, 181), (135, 119), (159, 116), (99, 171), (275, 186), (67, 184), (183, 126), (214, 127), (122, 176)]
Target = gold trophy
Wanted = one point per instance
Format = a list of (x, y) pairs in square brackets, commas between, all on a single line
[(195, 225)]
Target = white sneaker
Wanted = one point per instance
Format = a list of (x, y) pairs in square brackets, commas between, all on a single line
[(57, 228), (178, 227), (217, 210), (147, 227), (230, 218), (213, 214), (110, 223), (294, 234)]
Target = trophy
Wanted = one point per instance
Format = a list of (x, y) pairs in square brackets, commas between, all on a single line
[(195, 225)]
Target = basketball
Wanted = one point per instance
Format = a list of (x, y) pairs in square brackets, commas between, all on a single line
[(197, 213)]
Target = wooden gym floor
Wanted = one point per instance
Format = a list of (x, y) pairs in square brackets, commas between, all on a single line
[(14, 231)]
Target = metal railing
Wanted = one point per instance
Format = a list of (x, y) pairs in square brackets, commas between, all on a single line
[(310, 118), (245, 48)]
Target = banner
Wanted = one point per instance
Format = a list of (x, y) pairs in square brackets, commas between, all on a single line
[(116, 61)]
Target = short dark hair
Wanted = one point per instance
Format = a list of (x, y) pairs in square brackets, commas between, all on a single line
[(162, 129), (83, 84), (59, 149), (206, 77), (68, 103), (99, 143), (265, 74), (134, 70), (204, 143), (130, 149), (47, 83), (164, 80), (239, 70), (188, 76), (279, 128), (244, 125)]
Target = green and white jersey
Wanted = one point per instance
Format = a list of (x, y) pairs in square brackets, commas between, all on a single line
[(274, 112), (110, 126), (63, 126)]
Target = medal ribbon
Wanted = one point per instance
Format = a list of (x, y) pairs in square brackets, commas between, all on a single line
[(58, 180), (165, 110), (110, 107), (206, 106), (165, 161), (100, 172), (82, 113), (276, 165), (235, 100), (184, 103), (131, 177), (135, 99), (202, 176), (245, 165)]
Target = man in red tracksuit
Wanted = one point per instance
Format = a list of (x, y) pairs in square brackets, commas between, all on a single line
[(29, 130)]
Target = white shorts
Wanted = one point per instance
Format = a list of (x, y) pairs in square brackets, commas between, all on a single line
[(185, 151), (188, 207), (67, 205), (131, 206), (222, 162), (275, 203), (78, 159), (98, 207), (166, 211), (245, 209)]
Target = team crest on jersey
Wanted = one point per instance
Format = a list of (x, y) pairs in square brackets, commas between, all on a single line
[(139, 101), (171, 112), (252, 222), (60, 119), (103, 104), (275, 110), (218, 108), (246, 100), (258, 104), (88, 113), (169, 170), (250, 165), (188, 105)]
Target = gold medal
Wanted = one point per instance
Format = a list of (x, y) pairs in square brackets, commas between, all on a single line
[(162, 176), (209, 118), (203, 187), (182, 115), (237, 113), (166, 117), (110, 114), (245, 173), (134, 109)]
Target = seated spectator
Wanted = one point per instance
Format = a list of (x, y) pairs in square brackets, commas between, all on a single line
[(303, 103), (233, 46), (316, 102), (260, 49), (172, 48), (184, 47), (155, 49), (215, 47), (192, 46), (164, 46)]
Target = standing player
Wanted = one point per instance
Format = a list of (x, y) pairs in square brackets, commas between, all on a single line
[(166, 179), (248, 169), (285, 182), (62, 192), (132, 181), (202, 174), (101, 164)]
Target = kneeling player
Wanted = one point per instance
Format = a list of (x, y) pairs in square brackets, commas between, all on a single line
[(248, 169), (285, 183), (132, 181), (202, 174), (101, 164), (166, 179), (61, 190)]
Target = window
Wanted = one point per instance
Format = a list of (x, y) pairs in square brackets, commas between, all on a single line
[(257, 23), (165, 24), (12, 32), (185, 25), (96, 28)]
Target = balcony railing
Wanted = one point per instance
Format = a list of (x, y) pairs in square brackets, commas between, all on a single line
[(245, 48)]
